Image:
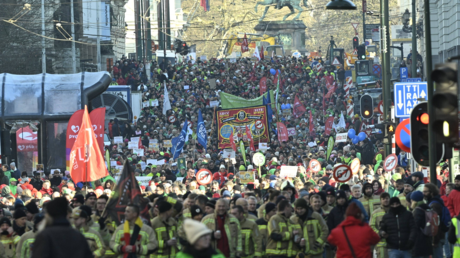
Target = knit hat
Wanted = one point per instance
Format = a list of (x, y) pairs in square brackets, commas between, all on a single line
[(226, 193), (242, 168), (222, 166), (89, 195), (164, 206), (353, 210), (211, 204), (367, 185), (279, 199), (301, 203), (330, 191), (322, 195), (418, 174), (269, 207), (78, 198), (5, 220), (32, 208), (394, 200), (80, 213), (194, 230), (195, 210), (329, 167), (341, 194), (303, 193), (325, 179), (57, 207), (19, 213), (416, 196)]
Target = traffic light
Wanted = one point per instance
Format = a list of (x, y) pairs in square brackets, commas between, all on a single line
[(381, 127), (178, 45), (366, 106), (445, 103), (390, 129), (355, 42), (362, 52), (185, 49)]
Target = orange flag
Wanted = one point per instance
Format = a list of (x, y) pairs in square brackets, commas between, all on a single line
[(86, 160)]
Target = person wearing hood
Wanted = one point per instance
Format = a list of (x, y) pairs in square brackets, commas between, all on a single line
[(198, 243), (453, 200), (376, 218), (6, 191), (398, 229), (434, 201), (337, 214), (353, 237), (289, 187), (423, 246), (417, 178), (310, 221), (370, 201)]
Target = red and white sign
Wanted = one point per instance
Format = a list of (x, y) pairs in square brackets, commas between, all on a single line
[(336, 61), (26, 139), (341, 137), (204, 176), (355, 164), (342, 173), (172, 119), (259, 124), (390, 162), (380, 107), (314, 166), (363, 126), (291, 131), (368, 132), (189, 124)]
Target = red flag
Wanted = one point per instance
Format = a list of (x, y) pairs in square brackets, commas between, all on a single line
[(263, 85), (232, 141), (73, 127), (328, 125), (97, 117), (312, 126), (299, 109), (245, 44), (282, 132), (331, 90), (262, 56), (329, 79), (324, 104), (86, 161), (251, 141), (26, 140)]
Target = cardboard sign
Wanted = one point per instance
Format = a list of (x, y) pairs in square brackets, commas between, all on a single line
[(146, 104), (214, 103), (291, 131), (142, 180), (246, 177), (212, 83), (135, 139), (186, 87), (263, 146), (151, 161), (181, 163), (154, 102), (139, 152), (167, 144), (288, 171), (341, 137), (118, 139), (287, 111), (133, 145), (228, 153), (113, 163)]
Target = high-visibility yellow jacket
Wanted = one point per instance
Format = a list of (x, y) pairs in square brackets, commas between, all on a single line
[(95, 242), (145, 244), (106, 233), (250, 217), (283, 226), (314, 229), (252, 241), (370, 204), (232, 229), (10, 242), (165, 230), (24, 244), (261, 211), (374, 223), (457, 233), (403, 200), (263, 232)]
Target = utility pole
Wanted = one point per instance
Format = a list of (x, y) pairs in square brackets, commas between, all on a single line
[(430, 88), (138, 29), (364, 20), (385, 14), (148, 35), (72, 30), (414, 41), (98, 38), (43, 39)]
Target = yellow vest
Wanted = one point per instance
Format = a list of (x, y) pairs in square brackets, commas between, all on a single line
[(457, 244)]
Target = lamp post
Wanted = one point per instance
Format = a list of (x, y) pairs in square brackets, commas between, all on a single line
[(414, 42), (340, 5)]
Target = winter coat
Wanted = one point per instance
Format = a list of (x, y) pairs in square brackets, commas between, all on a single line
[(232, 230), (367, 155), (423, 244), (399, 224), (37, 183), (336, 216), (60, 240), (453, 202), (314, 230), (360, 235)]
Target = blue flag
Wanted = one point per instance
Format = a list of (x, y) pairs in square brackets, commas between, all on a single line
[(179, 141), (266, 101), (201, 131)]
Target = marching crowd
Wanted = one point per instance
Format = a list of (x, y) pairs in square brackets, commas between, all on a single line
[(376, 213)]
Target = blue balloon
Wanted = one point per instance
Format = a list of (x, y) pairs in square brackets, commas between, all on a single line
[(355, 140), (362, 136), (272, 71), (351, 133)]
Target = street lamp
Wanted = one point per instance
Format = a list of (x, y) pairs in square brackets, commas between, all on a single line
[(340, 5), (405, 21)]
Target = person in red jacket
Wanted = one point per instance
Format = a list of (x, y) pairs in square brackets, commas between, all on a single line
[(453, 200), (46, 189), (353, 237)]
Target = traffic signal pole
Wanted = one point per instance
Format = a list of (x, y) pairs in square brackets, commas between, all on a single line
[(429, 67), (414, 42), (364, 21), (385, 14)]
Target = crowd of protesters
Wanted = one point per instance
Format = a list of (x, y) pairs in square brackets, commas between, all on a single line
[(376, 213)]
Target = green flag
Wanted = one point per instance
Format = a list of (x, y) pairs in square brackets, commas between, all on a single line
[(330, 146), (243, 152), (229, 101), (107, 158)]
